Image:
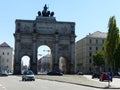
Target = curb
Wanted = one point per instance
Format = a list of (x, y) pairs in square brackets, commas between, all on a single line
[(87, 85)]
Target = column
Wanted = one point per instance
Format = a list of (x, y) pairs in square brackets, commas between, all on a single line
[(17, 60), (34, 57), (56, 62), (72, 60)]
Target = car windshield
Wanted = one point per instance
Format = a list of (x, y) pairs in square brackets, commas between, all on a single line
[(28, 73)]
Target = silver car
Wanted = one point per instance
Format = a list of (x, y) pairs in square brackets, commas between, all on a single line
[(28, 75)]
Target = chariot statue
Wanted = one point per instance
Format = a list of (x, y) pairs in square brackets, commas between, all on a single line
[(45, 12)]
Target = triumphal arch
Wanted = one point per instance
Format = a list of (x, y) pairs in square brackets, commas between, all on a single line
[(44, 30)]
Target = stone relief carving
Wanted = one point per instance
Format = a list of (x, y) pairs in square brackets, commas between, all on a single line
[(63, 47), (26, 46), (26, 28)]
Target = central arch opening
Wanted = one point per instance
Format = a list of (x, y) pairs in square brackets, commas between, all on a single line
[(44, 57), (25, 63)]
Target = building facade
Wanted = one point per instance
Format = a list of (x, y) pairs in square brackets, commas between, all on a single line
[(86, 48), (6, 58), (44, 63)]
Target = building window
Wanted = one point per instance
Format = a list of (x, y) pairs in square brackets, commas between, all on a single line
[(96, 41), (8, 53), (96, 48), (90, 48), (90, 41), (103, 41), (90, 54), (102, 48), (90, 61)]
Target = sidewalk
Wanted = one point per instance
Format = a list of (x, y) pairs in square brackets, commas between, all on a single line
[(114, 83), (84, 80)]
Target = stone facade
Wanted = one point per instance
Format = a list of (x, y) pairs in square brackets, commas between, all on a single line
[(6, 58), (86, 48), (58, 36)]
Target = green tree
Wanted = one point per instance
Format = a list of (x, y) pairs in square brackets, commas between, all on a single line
[(117, 58), (111, 41), (98, 59)]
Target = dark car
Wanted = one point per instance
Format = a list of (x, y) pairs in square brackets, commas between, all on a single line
[(118, 73), (28, 75), (105, 76), (95, 75), (55, 73)]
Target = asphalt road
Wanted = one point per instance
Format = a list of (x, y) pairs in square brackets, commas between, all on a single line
[(15, 83)]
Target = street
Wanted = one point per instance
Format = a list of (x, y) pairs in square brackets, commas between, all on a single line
[(15, 83)]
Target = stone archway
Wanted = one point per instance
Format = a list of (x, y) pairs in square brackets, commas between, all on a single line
[(44, 30)]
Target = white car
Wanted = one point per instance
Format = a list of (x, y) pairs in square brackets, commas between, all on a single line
[(4, 73), (28, 75)]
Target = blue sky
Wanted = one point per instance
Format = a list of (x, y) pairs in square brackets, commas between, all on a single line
[(89, 15)]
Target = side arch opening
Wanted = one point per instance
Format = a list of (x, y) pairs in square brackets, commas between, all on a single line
[(63, 64)]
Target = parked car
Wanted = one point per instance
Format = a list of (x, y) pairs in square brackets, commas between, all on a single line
[(95, 75), (4, 73), (28, 75), (106, 76), (118, 73), (55, 73), (80, 73)]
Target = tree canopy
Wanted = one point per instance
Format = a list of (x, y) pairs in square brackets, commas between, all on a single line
[(117, 57), (112, 41), (98, 58)]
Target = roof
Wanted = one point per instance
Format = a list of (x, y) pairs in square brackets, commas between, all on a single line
[(98, 34), (4, 44)]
